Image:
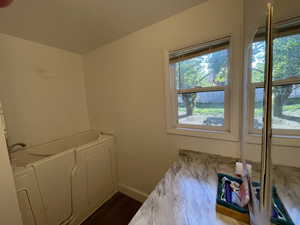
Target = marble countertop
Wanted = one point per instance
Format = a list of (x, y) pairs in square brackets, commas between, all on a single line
[(187, 193)]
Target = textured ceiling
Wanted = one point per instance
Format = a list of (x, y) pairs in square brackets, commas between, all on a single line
[(82, 25)]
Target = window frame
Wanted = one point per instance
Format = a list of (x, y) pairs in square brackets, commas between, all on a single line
[(251, 94), (287, 134), (172, 101)]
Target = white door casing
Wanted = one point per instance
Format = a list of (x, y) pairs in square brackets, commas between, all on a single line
[(9, 208)]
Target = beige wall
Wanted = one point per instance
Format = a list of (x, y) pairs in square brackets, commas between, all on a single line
[(43, 94), (42, 90), (125, 89)]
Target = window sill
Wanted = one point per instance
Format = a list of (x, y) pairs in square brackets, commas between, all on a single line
[(277, 140), (211, 134)]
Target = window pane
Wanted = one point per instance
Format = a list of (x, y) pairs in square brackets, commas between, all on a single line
[(258, 61), (202, 71), (202, 108), (286, 107), (286, 58), (258, 109)]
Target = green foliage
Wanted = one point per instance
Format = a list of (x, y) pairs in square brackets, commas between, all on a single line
[(202, 71), (258, 61), (286, 64), (286, 58), (286, 108), (206, 109)]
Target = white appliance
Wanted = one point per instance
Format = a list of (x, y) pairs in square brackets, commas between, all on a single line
[(63, 182)]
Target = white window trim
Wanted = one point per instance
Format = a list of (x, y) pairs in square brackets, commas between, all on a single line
[(277, 140), (251, 94), (280, 137), (214, 132)]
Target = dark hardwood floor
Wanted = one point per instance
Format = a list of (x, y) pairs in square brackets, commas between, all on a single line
[(119, 210)]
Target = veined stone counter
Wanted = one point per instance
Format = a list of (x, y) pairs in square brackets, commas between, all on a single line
[(187, 193)]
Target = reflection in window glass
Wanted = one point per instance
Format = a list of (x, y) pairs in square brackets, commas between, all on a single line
[(286, 58), (202, 108), (285, 110), (203, 71)]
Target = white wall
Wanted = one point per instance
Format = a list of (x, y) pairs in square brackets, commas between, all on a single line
[(125, 89), (42, 90)]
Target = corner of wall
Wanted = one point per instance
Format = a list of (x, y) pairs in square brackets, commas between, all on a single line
[(132, 192)]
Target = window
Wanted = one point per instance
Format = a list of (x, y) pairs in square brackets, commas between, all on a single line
[(200, 78), (286, 81)]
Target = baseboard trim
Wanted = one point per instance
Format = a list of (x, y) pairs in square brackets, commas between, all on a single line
[(132, 192)]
